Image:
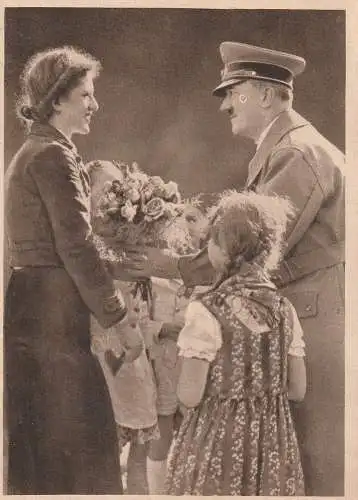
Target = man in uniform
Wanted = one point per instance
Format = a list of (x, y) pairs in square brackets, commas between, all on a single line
[(294, 160)]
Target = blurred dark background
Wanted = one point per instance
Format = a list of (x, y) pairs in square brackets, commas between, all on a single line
[(159, 68)]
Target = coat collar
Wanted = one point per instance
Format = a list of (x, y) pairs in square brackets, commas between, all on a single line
[(286, 121), (50, 132)]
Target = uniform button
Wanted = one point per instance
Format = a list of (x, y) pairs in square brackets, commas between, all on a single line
[(308, 308)]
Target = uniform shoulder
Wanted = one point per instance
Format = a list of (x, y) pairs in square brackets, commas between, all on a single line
[(311, 144), (307, 147)]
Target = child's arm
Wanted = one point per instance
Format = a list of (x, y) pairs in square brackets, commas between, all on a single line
[(296, 369), (192, 381), (296, 378), (199, 341)]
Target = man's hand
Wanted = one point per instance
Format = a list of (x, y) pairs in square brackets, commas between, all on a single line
[(144, 262)]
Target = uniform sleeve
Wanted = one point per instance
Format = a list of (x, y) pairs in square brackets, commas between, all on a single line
[(289, 174), (201, 336), (196, 269), (58, 180)]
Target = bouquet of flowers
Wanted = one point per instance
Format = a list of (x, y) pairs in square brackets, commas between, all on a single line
[(135, 208)]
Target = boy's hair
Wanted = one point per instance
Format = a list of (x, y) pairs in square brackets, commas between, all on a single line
[(251, 227)]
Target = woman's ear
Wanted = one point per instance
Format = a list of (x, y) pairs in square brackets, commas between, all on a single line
[(56, 105)]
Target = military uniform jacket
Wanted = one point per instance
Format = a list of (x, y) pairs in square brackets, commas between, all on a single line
[(297, 162), (47, 217)]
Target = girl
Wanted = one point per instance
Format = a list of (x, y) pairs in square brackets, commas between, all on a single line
[(130, 383), (171, 300), (61, 428), (144, 393), (132, 390), (242, 351)]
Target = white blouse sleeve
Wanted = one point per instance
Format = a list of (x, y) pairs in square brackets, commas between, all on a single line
[(297, 346), (201, 336)]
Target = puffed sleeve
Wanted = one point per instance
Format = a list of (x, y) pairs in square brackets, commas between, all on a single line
[(201, 336), (291, 175), (297, 344), (61, 188)]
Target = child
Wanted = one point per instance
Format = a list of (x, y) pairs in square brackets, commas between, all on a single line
[(142, 399), (170, 302), (132, 390), (130, 382), (242, 360)]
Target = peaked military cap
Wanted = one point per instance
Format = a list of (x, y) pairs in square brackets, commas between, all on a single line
[(243, 62)]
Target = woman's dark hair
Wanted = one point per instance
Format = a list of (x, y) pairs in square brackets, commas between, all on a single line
[(49, 75)]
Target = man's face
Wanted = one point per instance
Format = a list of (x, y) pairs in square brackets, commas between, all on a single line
[(242, 103)]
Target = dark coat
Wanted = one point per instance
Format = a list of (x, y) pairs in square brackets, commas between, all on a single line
[(47, 217), (61, 430), (294, 160)]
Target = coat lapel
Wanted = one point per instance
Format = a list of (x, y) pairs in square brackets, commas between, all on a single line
[(287, 121)]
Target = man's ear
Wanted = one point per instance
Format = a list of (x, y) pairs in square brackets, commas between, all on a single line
[(267, 96)]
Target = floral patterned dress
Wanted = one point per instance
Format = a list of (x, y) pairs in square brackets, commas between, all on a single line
[(240, 439)]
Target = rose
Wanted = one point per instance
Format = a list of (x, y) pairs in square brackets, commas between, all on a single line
[(154, 209), (128, 211), (171, 191), (148, 192), (156, 180), (141, 178), (133, 182), (133, 195)]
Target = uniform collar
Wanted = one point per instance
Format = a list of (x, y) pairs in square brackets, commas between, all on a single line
[(265, 132), (50, 132), (285, 123)]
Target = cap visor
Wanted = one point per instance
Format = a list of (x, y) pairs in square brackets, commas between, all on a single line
[(219, 91)]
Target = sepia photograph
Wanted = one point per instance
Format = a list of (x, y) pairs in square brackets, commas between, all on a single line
[(174, 251)]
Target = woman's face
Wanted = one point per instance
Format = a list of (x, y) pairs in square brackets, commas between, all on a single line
[(74, 111)]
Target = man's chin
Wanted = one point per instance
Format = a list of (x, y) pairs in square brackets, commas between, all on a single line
[(235, 130)]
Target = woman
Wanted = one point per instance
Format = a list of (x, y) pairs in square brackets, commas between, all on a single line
[(61, 429)]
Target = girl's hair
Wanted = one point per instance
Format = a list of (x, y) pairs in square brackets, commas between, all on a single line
[(250, 227), (51, 74)]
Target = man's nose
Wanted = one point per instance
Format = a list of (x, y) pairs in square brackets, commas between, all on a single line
[(225, 104)]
